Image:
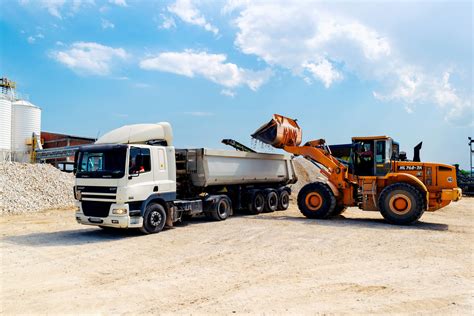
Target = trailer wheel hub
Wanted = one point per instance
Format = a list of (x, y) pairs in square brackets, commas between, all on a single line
[(314, 201), (400, 204)]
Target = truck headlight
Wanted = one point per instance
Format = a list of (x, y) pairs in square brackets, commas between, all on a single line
[(119, 211)]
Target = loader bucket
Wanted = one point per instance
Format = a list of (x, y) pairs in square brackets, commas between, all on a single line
[(279, 132)]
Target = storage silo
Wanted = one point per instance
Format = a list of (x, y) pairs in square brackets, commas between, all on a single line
[(5, 127), (26, 120)]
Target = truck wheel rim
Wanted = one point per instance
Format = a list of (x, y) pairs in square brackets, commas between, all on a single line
[(259, 202), (314, 201), (285, 200), (273, 200), (400, 204), (222, 209), (155, 218)]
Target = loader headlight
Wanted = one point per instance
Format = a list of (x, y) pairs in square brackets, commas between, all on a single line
[(119, 211)]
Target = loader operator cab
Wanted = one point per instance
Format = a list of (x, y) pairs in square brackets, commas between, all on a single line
[(371, 156)]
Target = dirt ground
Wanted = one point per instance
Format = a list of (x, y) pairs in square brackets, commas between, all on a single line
[(272, 263)]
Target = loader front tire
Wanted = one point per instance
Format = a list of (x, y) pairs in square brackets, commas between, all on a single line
[(316, 200), (401, 204)]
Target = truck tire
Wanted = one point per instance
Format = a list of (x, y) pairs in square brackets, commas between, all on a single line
[(316, 200), (154, 219), (271, 200), (223, 208), (401, 204), (283, 200), (256, 202)]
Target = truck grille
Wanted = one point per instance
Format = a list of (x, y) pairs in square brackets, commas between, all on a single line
[(97, 193), (96, 209)]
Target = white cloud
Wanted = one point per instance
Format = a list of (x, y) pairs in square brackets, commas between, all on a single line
[(324, 71), (167, 22), (31, 39), (106, 24), (187, 12), (121, 3), (199, 114), (55, 7), (314, 43), (228, 92), (210, 66), (90, 58)]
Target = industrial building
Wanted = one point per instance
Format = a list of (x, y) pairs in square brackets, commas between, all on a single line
[(21, 139)]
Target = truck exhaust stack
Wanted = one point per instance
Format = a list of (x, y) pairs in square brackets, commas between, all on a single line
[(279, 132)]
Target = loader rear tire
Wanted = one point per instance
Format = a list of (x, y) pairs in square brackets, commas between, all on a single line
[(401, 204), (338, 210), (316, 200)]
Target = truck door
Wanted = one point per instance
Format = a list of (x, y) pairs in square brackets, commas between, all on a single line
[(161, 171), (382, 158), (140, 173)]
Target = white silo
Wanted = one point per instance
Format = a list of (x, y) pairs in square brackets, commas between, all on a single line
[(26, 120), (5, 126)]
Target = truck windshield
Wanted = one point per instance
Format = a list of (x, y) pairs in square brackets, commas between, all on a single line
[(101, 163)]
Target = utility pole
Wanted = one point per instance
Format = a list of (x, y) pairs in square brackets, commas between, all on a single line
[(472, 152)]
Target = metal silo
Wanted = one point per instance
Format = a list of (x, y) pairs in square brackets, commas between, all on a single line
[(5, 127), (26, 120)]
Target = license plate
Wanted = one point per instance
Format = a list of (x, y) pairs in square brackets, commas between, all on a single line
[(95, 220)]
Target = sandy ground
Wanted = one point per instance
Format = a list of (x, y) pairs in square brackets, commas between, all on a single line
[(272, 263)]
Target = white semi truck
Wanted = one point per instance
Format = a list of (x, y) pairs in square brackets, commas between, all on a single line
[(133, 177)]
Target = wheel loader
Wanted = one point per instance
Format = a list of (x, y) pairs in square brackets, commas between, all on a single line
[(375, 177)]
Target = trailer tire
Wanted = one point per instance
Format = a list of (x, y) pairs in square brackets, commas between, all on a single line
[(283, 200), (256, 202), (271, 200), (401, 204), (316, 200), (223, 208), (154, 219)]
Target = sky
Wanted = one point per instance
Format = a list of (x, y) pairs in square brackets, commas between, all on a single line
[(220, 69)]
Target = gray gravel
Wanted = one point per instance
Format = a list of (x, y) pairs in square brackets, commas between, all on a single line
[(26, 188)]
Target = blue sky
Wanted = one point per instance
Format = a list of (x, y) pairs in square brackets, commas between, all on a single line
[(220, 69)]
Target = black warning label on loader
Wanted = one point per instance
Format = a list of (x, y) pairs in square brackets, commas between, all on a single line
[(410, 168)]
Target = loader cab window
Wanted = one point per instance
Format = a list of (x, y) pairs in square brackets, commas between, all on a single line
[(363, 158), (140, 161)]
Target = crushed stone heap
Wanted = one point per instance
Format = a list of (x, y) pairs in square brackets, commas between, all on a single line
[(26, 188)]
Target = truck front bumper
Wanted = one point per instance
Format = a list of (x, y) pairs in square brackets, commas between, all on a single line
[(112, 220), (451, 194)]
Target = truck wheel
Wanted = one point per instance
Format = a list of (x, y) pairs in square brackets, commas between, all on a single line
[(316, 200), (256, 203), (223, 208), (401, 204), (271, 201), (154, 219), (284, 200)]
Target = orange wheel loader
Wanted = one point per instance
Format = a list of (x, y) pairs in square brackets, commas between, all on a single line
[(376, 176)]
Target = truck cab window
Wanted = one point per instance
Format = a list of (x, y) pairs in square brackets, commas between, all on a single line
[(140, 161)]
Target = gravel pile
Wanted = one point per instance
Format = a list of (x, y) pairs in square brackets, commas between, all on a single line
[(306, 173), (26, 188)]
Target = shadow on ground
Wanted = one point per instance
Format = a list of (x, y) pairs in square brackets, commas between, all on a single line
[(71, 237), (341, 221)]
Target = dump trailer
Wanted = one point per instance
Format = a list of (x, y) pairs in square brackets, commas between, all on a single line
[(375, 176), (133, 177)]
